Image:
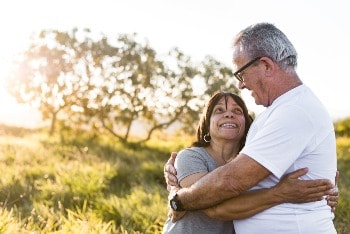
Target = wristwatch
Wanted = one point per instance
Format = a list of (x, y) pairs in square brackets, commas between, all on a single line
[(175, 203)]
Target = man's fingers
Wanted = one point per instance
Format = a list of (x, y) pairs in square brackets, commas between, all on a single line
[(173, 156), (176, 215), (170, 172), (169, 168), (170, 179)]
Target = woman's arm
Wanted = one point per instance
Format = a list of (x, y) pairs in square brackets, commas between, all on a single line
[(289, 189)]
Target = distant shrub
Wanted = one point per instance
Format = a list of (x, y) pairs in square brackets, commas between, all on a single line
[(342, 127)]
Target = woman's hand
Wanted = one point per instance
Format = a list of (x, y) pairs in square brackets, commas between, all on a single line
[(332, 199), (292, 189)]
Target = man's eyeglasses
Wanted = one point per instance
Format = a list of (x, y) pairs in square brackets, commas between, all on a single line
[(238, 73)]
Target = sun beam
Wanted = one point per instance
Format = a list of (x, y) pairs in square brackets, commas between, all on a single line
[(11, 113)]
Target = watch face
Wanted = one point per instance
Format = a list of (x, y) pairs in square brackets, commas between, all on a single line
[(173, 205)]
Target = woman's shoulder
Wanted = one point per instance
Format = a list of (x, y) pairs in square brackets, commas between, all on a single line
[(193, 160), (193, 152)]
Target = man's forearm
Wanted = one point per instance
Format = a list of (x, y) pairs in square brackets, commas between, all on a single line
[(206, 192), (223, 183)]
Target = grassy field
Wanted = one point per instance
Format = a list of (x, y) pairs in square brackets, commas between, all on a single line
[(84, 184)]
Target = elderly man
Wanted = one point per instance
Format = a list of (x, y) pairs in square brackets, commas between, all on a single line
[(294, 131)]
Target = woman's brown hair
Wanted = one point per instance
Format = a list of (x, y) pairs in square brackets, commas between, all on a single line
[(204, 123)]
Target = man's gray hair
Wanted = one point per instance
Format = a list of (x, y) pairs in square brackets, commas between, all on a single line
[(264, 39)]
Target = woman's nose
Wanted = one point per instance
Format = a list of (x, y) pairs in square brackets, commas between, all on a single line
[(229, 114)]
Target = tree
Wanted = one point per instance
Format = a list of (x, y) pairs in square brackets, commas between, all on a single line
[(213, 76), (86, 81), (56, 71), (128, 89), (142, 88)]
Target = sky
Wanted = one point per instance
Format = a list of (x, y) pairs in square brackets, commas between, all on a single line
[(319, 30)]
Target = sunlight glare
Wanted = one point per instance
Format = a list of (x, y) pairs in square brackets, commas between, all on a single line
[(11, 113)]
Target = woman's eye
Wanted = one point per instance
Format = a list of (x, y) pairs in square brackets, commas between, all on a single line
[(218, 110), (238, 111)]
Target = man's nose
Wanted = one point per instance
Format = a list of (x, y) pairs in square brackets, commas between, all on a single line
[(241, 85)]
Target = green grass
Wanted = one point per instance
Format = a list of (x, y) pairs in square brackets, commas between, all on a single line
[(80, 185), (342, 213), (76, 183)]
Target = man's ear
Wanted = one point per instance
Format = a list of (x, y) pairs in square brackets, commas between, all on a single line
[(269, 65)]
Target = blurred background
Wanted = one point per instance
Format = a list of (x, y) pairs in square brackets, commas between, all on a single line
[(94, 95), (318, 29)]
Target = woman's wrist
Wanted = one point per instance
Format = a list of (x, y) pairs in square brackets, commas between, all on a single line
[(276, 196)]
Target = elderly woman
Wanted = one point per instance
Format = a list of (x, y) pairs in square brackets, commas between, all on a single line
[(220, 136)]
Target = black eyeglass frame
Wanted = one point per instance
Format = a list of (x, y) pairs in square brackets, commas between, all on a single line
[(237, 73)]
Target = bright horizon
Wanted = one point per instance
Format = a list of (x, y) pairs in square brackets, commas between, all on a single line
[(319, 31)]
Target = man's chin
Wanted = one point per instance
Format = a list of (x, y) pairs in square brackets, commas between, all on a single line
[(255, 99)]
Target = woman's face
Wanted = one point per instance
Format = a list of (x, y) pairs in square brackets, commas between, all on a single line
[(227, 121)]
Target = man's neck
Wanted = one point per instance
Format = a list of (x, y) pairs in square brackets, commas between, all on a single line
[(287, 83)]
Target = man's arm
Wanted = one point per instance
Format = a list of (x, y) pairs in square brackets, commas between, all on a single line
[(289, 189), (223, 183)]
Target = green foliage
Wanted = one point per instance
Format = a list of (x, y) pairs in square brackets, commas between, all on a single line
[(8, 224), (80, 183), (143, 209), (342, 213), (342, 127), (81, 80)]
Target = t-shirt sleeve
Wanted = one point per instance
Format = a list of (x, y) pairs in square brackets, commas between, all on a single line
[(189, 162), (280, 141)]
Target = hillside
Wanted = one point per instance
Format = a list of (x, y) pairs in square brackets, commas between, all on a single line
[(79, 183)]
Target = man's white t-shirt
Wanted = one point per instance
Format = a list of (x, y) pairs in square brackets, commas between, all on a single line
[(294, 132)]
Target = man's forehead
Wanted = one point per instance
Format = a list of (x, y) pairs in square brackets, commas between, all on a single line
[(237, 61), (237, 55)]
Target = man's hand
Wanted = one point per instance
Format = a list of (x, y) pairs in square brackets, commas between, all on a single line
[(172, 186), (170, 172), (174, 215), (292, 189)]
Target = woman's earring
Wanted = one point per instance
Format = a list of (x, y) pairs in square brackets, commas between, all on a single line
[(207, 138)]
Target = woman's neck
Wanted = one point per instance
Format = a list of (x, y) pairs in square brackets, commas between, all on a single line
[(223, 153)]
